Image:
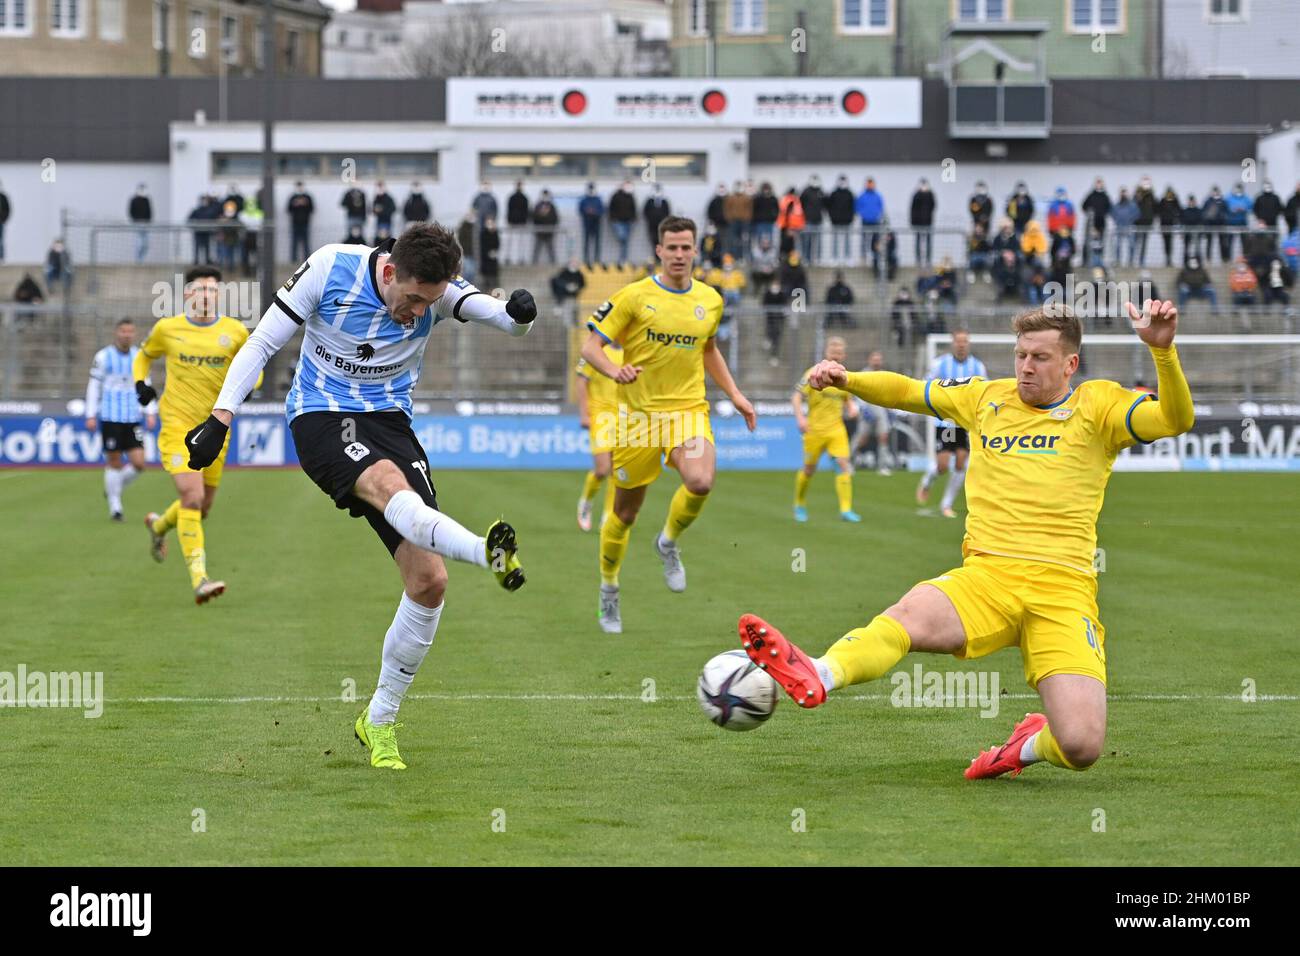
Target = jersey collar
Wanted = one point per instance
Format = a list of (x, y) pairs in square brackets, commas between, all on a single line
[(1059, 401), (655, 277), (383, 248)]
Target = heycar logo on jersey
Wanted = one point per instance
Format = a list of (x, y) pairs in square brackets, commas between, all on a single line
[(1021, 444), (202, 359), (676, 341)]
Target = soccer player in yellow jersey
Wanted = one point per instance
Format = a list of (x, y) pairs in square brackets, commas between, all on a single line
[(666, 324), (598, 413), (198, 345), (823, 430), (1041, 455)]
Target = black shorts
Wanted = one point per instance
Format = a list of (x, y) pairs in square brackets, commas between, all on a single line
[(951, 438), (335, 464), (121, 436)]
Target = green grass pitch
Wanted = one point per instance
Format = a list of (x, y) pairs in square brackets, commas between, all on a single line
[(527, 735)]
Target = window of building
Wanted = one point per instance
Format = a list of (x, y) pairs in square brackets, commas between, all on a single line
[(367, 166), (548, 167), (15, 18), (866, 16), (1096, 16), (747, 16), (196, 34), (230, 39), (1227, 11), (158, 18), (66, 19), (697, 18), (111, 14), (291, 51), (983, 11)]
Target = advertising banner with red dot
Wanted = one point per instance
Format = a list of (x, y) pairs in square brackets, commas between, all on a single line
[(744, 103)]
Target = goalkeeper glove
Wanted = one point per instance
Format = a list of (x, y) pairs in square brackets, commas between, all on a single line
[(145, 392), (521, 307), (206, 441)]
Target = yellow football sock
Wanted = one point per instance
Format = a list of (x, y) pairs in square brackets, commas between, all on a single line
[(1048, 749), (801, 488), (167, 520), (189, 528), (844, 491), (609, 501), (683, 511), (590, 486), (613, 545), (867, 653)]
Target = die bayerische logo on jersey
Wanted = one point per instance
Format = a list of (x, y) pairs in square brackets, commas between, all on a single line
[(365, 352)]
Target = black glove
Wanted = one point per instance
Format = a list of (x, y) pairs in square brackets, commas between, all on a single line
[(206, 441), (145, 392), (521, 307)]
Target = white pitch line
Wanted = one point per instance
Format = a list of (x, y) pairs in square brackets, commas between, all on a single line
[(637, 697)]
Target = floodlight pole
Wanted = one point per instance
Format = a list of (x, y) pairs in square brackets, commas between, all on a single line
[(266, 242)]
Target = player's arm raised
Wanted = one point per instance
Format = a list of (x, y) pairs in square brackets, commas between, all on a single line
[(1172, 413), (467, 303), (716, 366), (888, 389)]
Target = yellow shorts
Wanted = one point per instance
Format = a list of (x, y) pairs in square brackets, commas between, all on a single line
[(1048, 611), (645, 439), (604, 428), (175, 456), (834, 443)]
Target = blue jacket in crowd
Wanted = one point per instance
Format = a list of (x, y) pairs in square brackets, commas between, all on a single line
[(870, 207)]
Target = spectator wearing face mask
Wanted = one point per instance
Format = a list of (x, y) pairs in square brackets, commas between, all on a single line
[(1214, 214), (813, 201), (622, 215), (1145, 198), (1268, 207), (1291, 211), (980, 206), (1242, 284), (921, 219), (1020, 208), (739, 211), (591, 212), (1238, 217), (870, 207), (1170, 213), (1194, 283), (655, 210), (840, 210), (1125, 213), (1277, 283), (1189, 220), (716, 212), (1096, 205)]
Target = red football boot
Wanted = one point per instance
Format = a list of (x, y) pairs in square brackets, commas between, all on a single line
[(786, 664), (1000, 760)]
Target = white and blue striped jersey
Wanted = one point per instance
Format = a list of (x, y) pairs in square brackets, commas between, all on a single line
[(947, 366), (354, 357), (110, 393)]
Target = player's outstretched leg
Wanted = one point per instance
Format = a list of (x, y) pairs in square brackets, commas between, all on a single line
[(381, 741), (864, 654), (501, 547), (431, 530), (157, 540)]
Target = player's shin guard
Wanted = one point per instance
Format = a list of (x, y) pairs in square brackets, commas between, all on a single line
[(408, 640), (844, 491), (189, 528), (683, 511), (590, 486), (613, 545), (801, 489), (167, 520), (1045, 747), (955, 481), (868, 653), (432, 530)]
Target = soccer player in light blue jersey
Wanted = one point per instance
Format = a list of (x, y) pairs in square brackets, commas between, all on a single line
[(366, 315), (113, 409), (953, 442)]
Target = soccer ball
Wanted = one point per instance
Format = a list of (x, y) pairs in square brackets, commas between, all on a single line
[(735, 693)]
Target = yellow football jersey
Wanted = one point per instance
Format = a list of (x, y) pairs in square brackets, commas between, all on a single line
[(825, 408), (664, 331), (197, 359), (1037, 476), (602, 391)]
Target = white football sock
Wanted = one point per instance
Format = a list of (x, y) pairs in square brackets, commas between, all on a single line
[(432, 530), (825, 673), (930, 474), (1027, 752), (129, 474), (113, 489), (407, 641), (954, 485)]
